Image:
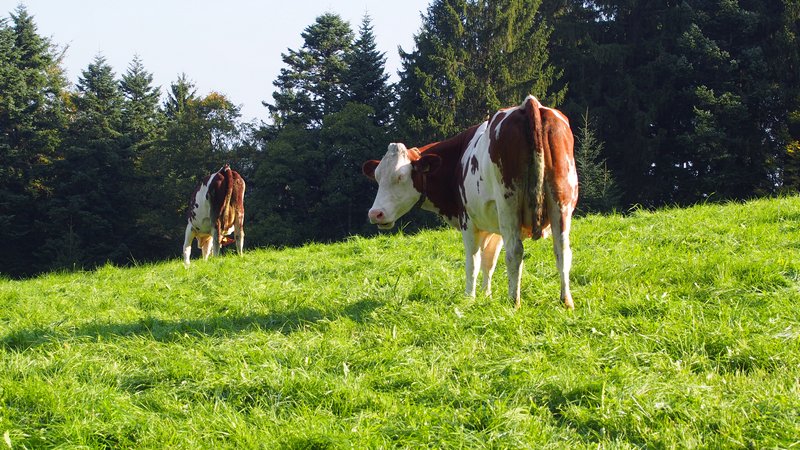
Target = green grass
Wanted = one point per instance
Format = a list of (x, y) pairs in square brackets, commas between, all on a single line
[(685, 334)]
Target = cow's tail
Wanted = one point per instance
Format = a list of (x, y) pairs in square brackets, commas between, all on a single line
[(227, 173), (536, 170), (219, 211)]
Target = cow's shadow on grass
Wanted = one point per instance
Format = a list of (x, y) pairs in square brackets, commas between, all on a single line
[(284, 322)]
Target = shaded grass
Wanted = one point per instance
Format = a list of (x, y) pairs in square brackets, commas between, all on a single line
[(686, 333)]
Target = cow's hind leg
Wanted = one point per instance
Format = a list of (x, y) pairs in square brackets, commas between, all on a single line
[(238, 230), (205, 246), (490, 250), (216, 237), (561, 218), (514, 253), (187, 245), (512, 237), (472, 257)]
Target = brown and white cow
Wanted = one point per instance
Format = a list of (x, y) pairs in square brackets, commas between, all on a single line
[(216, 209), (510, 177)]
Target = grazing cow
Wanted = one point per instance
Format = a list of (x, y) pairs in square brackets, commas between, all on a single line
[(216, 209), (510, 177)]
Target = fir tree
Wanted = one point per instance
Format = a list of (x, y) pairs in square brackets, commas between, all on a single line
[(598, 190), (366, 79), (471, 58), (312, 83), (32, 118), (89, 226)]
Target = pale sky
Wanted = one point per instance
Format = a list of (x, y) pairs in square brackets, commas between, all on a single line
[(233, 46)]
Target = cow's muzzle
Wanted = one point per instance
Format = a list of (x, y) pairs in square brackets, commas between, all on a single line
[(377, 217)]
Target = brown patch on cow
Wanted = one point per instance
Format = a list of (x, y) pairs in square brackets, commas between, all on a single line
[(442, 186), (558, 151), (473, 164), (510, 146)]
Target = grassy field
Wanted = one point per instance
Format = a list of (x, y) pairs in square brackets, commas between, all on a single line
[(685, 334)]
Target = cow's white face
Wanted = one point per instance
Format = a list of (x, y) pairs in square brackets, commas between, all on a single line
[(396, 194)]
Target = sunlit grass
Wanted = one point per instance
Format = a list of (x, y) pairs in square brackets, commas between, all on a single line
[(686, 333)]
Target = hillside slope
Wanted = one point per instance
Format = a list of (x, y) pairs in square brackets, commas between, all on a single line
[(686, 333)]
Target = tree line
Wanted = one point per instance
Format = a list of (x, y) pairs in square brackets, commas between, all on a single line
[(671, 103)]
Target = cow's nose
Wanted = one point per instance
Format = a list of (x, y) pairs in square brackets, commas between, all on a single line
[(376, 216)]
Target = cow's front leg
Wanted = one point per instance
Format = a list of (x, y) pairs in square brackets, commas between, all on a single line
[(187, 245), (473, 258), (490, 249)]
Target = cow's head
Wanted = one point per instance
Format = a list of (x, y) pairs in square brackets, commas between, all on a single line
[(399, 175)]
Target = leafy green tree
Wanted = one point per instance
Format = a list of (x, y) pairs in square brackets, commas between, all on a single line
[(350, 138), (141, 116), (32, 117), (784, 56), (142, 129)]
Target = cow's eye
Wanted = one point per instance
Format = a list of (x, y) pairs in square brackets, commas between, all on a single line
[(400, 178)]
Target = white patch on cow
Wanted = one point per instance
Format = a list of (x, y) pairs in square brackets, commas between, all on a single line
[(505, 113), (201, 213), (572, 179), (558, 114), (396, 194)]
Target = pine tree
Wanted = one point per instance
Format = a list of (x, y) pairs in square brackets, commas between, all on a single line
[(598, 190), (311, 86), (471, 58), (366, 79), (688, 110), (141, 116), (295, 163), (89, 226), (142, 129), (32, 116)]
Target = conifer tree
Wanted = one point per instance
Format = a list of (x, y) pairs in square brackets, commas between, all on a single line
[(471, 58), (142, 128), (366, 80), (141, 115), (89, 226), (32, 117), (598, 190), (311, 85)]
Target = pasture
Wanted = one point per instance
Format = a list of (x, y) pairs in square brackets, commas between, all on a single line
[(685, 334)]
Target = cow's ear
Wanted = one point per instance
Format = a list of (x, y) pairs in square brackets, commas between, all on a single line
[(428, 164), (369, 168)]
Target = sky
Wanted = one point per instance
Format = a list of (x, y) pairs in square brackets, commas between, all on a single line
[(233, 47)]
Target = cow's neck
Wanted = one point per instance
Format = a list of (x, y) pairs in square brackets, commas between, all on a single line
[(442, 187)]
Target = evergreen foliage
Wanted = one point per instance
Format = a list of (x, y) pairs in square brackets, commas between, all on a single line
[(690, 101), (688, 109), (366, 80), (598, 190), (33, 114), (88, 214), (472, 58), (324, 128)]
